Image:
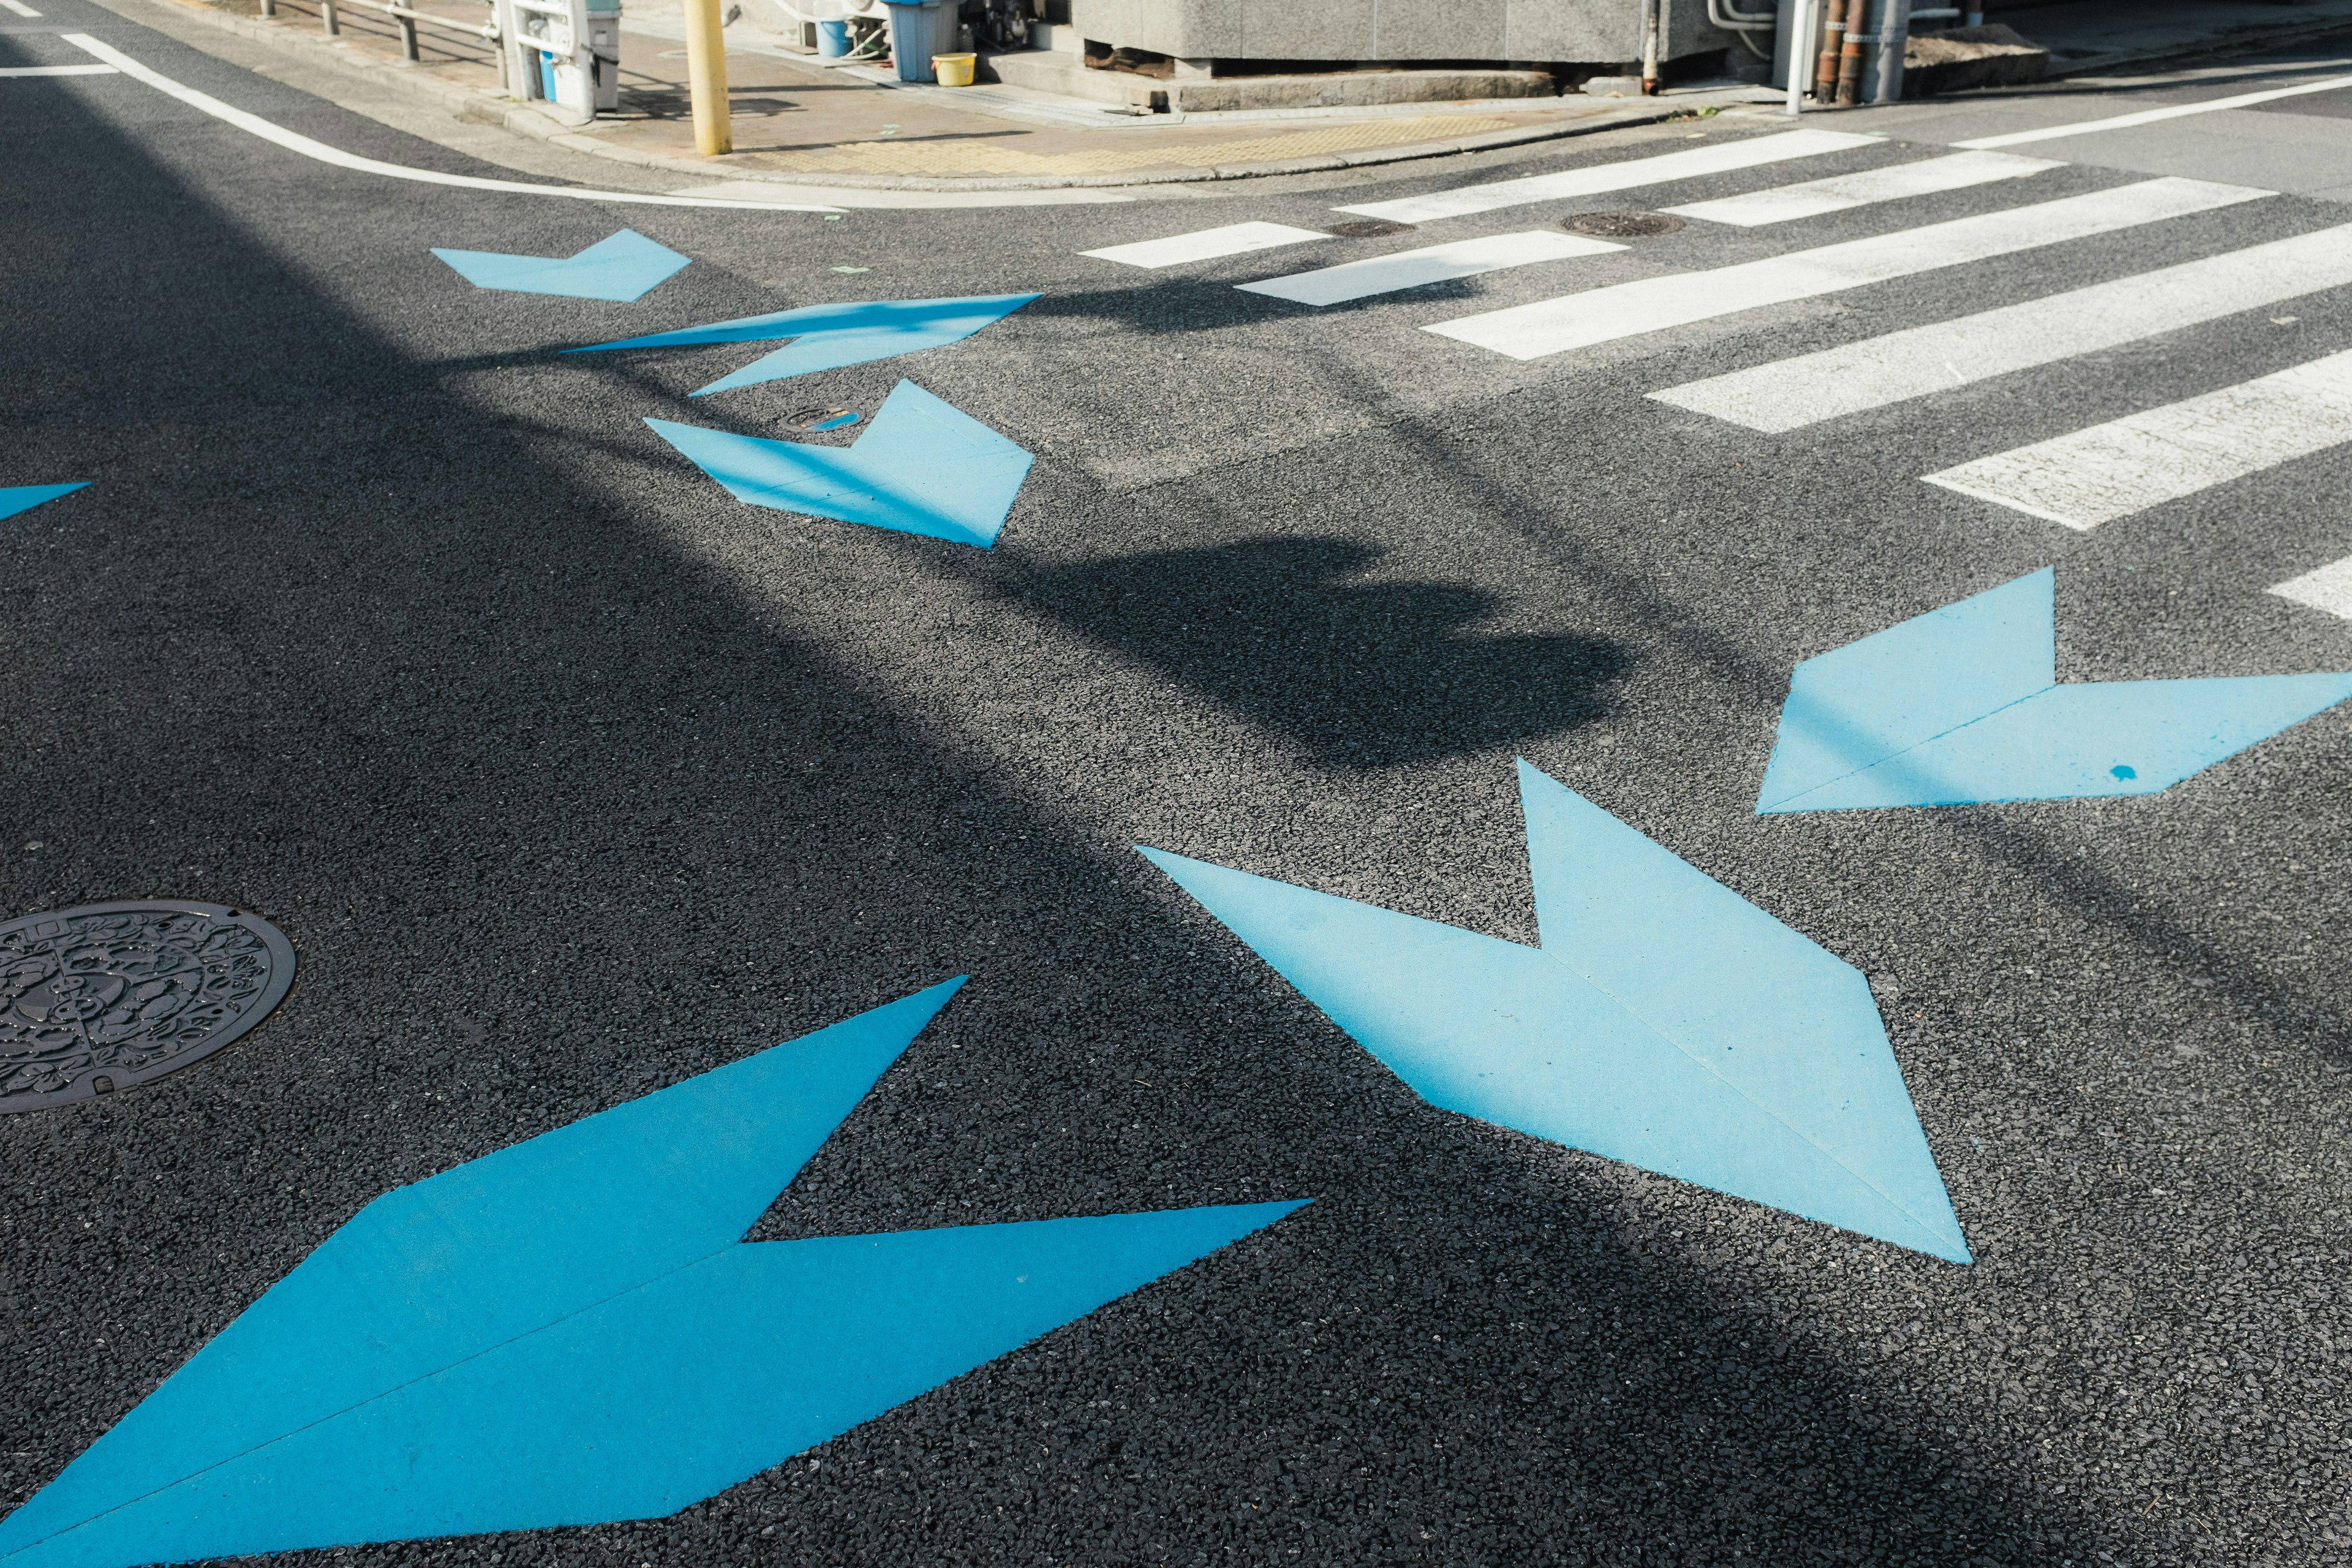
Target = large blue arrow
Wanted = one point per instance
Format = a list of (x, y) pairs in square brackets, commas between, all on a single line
[(922, 467), (826, 337), (1664, 1021), (1963, 704), (624, 266), (14, 499), (571, 1331)]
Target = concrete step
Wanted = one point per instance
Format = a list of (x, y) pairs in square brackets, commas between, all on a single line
[(1053, 70)]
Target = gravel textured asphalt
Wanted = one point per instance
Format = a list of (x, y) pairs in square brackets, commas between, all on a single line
[(570, 777)]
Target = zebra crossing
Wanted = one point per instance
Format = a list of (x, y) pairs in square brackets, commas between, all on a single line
[(2080, 479)]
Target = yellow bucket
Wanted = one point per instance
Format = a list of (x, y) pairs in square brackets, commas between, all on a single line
[(953, 70)]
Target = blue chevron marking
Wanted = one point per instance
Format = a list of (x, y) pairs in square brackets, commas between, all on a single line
[(921, 467), (1963, 705), (14, 499), (571, 1331), (1664, 1021), (827, 337), (625, 266)]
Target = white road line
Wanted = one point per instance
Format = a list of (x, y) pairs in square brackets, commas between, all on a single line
[(19, 8), (1605, 177), (1206, 245), (2329, 588), (1791, 394), (2128, 465), (1431, 264), (58, 70), (1654, 304), (1838, 192), (294, 142), (2150, 116)]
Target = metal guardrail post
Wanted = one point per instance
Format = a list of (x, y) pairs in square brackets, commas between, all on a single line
[(328, 18), (407, 36), (269, 8)]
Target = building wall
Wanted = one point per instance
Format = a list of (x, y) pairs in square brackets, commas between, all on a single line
[(1497, 30)]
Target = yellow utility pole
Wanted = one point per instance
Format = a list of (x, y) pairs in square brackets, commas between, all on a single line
[(706, 77)]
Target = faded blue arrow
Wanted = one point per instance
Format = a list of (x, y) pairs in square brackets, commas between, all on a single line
[(1963, 704), (14, 499), (922, 467), (826, 337), (1664, 1021), (625, 266), (571, 1331)]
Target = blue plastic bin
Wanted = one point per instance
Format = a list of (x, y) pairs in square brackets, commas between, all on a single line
[(833, 40), (919, 29)]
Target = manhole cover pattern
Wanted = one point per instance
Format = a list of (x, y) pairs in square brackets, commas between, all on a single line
[(116, 995), (1620, 226), (1367, 228)]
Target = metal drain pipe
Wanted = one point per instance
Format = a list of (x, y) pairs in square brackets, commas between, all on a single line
[(1650, 48)]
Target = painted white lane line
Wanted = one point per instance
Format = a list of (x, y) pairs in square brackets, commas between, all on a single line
[(1605, 177), (19, 8), (1838, 192), (294, 142), (1790, 393), (1431, 264), (2128, 465), (1654, 304), (57, 70), (2329, 588), (1206, 245), (2150, 116)]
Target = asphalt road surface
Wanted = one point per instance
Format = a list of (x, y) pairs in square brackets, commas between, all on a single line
[(572, 777)]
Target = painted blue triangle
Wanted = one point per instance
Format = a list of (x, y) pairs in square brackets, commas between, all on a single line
[(1963, 705), (1664, 1021), (827, 337), (626, 266), (14, 499), (572, 1332), (922, 467)]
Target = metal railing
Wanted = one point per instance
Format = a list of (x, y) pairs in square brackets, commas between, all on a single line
[(404, 17)]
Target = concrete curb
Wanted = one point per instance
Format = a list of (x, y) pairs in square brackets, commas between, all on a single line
[(481, 107)]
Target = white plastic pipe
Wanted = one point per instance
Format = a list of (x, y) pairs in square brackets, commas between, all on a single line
[(1800, 54)]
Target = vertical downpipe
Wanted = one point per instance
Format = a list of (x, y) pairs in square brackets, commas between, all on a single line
[(1849, 70), (1650, 47)]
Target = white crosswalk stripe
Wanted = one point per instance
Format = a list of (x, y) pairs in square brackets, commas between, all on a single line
[(2151, 116), (1928, 177), (1431, 264), (1790, 393), (1602, 178), (2329, 588), (1655, 304), (1206, 245), (2128, 465)]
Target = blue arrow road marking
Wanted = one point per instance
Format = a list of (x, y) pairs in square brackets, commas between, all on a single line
[(624, 266), (571, 1331), (1963, 704), (1663, 1021), (827, 337), (14, 499), (922, 467)]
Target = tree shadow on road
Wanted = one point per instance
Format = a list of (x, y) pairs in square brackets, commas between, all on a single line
[(1359, 673)]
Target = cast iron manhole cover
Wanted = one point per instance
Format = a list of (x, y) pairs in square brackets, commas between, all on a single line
[(106, 996), (820, 418), (1367, 228), (1620, 226)]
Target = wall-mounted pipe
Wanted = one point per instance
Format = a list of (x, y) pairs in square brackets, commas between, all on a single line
[(1741, 24), (1649, 47)]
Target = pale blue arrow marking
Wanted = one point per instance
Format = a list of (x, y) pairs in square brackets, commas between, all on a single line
[(827, 337), (571, 1331), (1963, 705), (625, 266), (14, 499), (922, 467), (1664, 1021)]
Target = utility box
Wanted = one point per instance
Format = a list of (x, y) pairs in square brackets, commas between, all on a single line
[(563, 54)]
